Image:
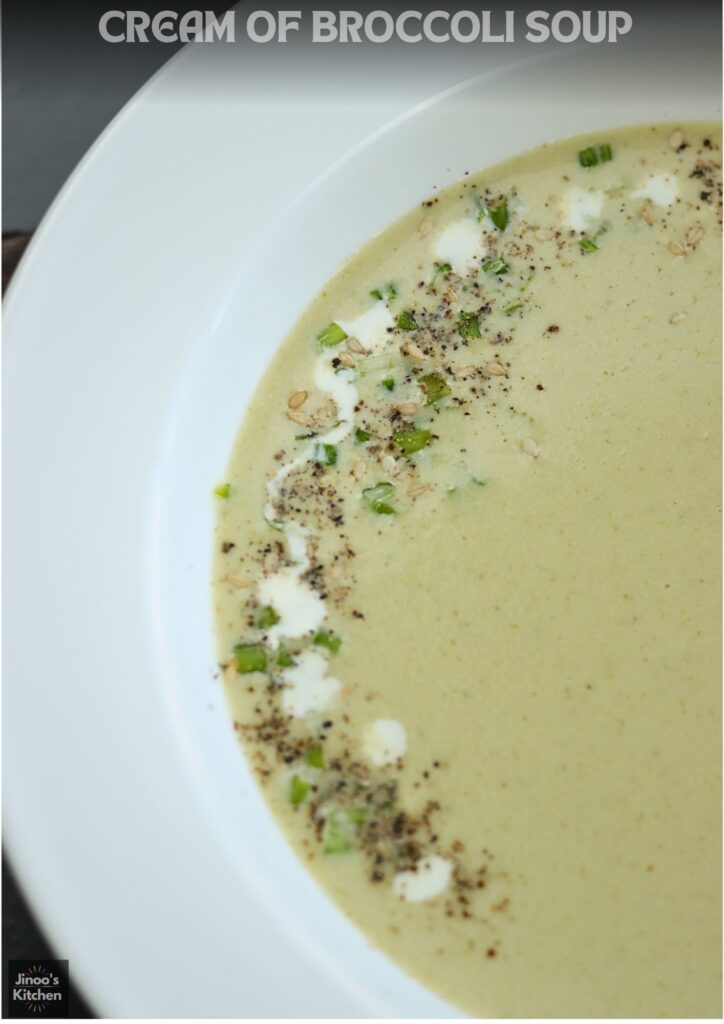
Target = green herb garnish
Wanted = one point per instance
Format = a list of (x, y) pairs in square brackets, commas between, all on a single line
[(315, 757), (497, 266), (388, 383), (222, 491), (298, 790), (341, 829), (588, 245), (378, 498), (250, 658), (388, 292), (361, 436), (514, 307), (267, 618), (406, 321), (594, 155), (499, 215), (328, 640), (284, 658), (469, 326), (327, 454), (436, 387), (440, 268), (411, 439), (331, 335)]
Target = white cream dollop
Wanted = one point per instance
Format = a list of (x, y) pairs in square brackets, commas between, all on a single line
[(429, 878), (581, 207), (308, 688), (300, 609), (460, 244), (371, 329), (384, 741), (661, 189)]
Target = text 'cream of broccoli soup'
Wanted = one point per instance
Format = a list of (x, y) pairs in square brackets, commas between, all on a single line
[(467, 582)]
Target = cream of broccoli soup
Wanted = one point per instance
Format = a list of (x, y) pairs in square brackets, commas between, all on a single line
[(467, 582)]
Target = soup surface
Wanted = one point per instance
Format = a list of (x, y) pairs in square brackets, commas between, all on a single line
[(467, 582)]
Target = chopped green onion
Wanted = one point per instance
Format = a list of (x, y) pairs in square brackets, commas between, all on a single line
[(436, 387), (267, 618), (499, 215), (498, 266), (440, 268), (361, 436), (406, 321), (328, 640), (326, 453), (250, 658), (331, 335), (388, 383), (341, 829), (378, 498), (594, 155), (222, 491), (469, 326), (298, 790), (588, 245), (315, 757), (512, 309), (284, 658), (388, 292), (411, 439)]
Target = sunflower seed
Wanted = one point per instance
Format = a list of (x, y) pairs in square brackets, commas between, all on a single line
[(495, 370), (695, 235)]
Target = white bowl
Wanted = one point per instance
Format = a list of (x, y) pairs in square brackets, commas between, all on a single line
[(136, 331)]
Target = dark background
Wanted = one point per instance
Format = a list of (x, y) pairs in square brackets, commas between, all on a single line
[(62, 84)]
